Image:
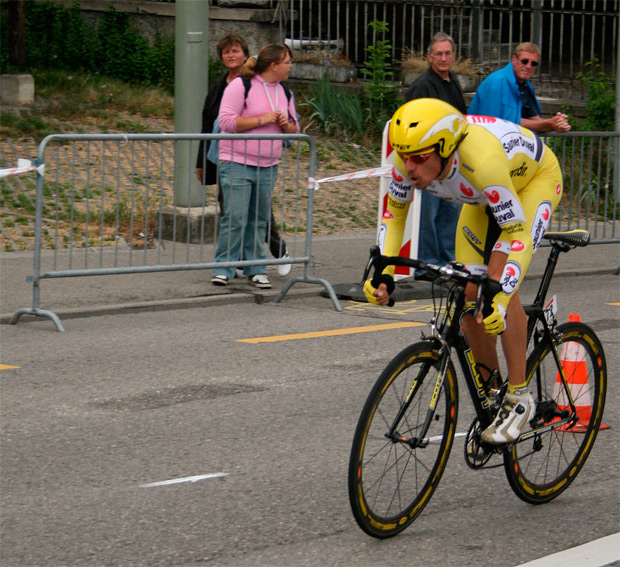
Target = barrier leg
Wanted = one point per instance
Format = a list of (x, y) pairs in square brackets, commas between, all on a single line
[(38, 313), (324, 283)]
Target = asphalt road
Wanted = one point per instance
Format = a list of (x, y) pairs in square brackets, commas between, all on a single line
[(95, 419)]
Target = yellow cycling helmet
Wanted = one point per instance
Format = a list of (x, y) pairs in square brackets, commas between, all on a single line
[(425, 122)]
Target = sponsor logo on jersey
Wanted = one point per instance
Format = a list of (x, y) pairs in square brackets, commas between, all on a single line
[(541, 222), (519, 171), (514, 228), (510, 277), (558, 189), (387, 215), (400, 191), (519, 142), (492, 196), (396, 176), (467, 191), (471, 235), (517, 246), (395, 204), (505, 207), (481, 119)]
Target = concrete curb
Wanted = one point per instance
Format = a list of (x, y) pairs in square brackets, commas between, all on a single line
[(417, 290)]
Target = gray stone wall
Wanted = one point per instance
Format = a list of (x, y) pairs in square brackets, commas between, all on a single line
[(251, 19)]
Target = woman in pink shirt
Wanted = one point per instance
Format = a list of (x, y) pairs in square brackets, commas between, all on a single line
[(248, 168)]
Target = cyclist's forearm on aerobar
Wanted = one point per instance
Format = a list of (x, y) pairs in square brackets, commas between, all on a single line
[(393, 221)]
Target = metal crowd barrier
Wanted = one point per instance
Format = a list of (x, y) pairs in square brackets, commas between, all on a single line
[(108, 204), (590, 163)]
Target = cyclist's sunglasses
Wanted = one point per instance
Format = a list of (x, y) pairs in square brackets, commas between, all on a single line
[(417, 157), (526, 61)]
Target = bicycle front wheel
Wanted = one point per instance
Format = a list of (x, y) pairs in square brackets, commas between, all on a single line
[(395, 467), (541, 468)]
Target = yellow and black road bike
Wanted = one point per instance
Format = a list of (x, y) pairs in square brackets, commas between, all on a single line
[(408, 424)]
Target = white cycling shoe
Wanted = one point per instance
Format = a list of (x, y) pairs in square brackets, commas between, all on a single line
[(510, 421)]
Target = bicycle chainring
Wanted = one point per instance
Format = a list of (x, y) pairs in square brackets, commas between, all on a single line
[(476, 456)]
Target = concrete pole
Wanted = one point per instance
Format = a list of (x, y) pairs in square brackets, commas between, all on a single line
[(617, 140), (191, 73)]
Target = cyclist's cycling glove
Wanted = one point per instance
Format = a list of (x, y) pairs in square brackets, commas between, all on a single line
[(495, 323), (369, 288)]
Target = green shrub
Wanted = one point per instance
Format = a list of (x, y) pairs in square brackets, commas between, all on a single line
[(600, 105), (381, 91), (59, 38), (336, 111)]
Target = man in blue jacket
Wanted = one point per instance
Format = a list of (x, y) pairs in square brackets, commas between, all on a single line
[(508, 94)]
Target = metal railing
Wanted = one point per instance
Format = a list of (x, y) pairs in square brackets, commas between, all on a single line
[(590, 163), (105, 205), (570, 33)]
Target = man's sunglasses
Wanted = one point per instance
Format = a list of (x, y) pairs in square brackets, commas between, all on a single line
[(418, 159), (526, 61)]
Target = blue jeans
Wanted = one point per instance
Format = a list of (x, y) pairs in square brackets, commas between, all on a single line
[(438, 219), (246, 192)]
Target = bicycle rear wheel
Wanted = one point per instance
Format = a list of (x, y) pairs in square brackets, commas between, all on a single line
[(390, 480), (541, 468)]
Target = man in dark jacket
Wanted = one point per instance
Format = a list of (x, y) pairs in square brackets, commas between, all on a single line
[(438, 217)]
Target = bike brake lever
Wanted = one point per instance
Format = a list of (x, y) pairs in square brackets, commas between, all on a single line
[(374, 253), (491, 289), (478, 301)]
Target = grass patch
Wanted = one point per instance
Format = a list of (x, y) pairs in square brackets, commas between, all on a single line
[(99, 92)]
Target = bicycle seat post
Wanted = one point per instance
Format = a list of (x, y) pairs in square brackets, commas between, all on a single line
[(545, 282)]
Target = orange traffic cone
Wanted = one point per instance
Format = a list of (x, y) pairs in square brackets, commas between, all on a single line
[(573, 358)]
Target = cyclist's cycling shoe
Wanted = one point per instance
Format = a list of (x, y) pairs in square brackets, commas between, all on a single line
[(510, 421)]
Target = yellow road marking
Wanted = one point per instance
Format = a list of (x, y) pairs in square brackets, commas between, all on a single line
[(331, 333), (8, 367), (616, 303)]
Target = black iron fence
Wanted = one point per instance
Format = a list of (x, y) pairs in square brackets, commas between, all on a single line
[(570, 33)]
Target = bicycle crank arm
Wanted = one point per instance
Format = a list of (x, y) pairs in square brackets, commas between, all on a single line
[(563, 422)]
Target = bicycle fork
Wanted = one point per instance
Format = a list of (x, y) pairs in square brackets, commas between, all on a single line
[(422, 440)]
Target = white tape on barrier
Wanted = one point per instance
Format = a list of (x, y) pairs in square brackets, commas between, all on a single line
[(23, 165), (364, 174)]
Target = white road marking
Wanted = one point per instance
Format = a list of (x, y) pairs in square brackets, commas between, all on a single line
[(595, 553), (185, 479)]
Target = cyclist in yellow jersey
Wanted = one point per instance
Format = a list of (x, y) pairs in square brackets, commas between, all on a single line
[(509, 183)]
